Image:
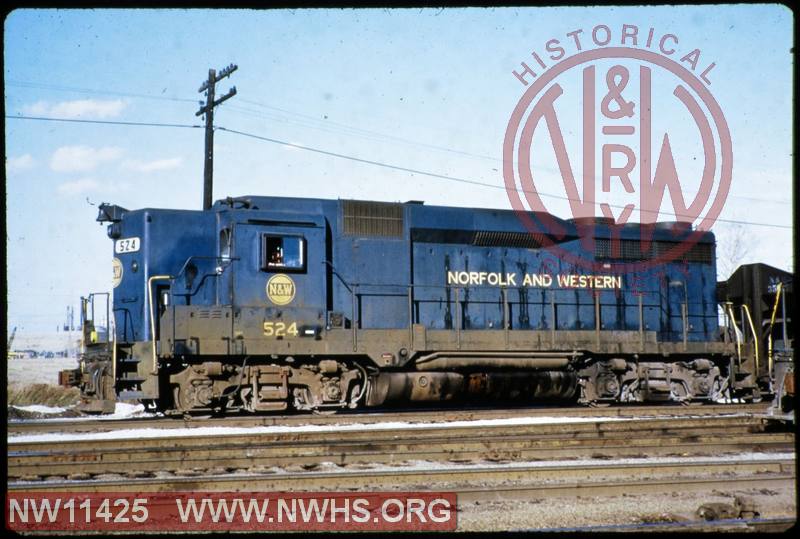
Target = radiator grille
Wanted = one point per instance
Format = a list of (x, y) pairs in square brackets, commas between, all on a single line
[(361, 218), (632, 250), (486, 238), (478, 238)]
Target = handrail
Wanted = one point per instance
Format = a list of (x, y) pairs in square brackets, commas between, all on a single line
[(203, 257), (336, 273), (736, 333), (205, 276), (128, 321), (152, 316), (357, 290), (198, 288), (771, 324), (114, 356), (90, 299), (491, 287), (592, 291), (755, 335)]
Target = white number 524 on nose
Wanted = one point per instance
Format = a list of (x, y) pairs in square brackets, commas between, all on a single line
[(126, 245)]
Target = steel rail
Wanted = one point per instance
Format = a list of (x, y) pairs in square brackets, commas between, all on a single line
[(366, 433), (146, 462), (348, 418), (470, 482), (504, 442)]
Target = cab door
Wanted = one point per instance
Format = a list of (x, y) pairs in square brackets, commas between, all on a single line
[(278, 284)]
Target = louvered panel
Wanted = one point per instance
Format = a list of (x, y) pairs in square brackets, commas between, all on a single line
[(360, 218)]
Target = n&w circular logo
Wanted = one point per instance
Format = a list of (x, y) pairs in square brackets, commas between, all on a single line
[(280, 289), (615, 121)]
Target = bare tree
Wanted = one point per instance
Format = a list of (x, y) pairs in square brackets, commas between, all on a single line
[(733, 247)]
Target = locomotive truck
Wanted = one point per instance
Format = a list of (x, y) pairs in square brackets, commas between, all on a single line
[(265, 304)]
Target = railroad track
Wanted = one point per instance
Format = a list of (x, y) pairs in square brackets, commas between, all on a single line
[(91, 424), (473, 482), (644, 450), (87, 456)]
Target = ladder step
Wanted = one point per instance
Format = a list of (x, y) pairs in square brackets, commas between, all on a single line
[(132, 379)]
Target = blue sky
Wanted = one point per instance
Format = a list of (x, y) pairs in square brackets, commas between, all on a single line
[(425, 89)]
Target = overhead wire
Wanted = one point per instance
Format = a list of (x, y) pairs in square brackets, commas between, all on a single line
[(458, 179), (108, 122), (365, 161), (90, 91), (324, 124), (310, 121), (367, 132), (372, 162)]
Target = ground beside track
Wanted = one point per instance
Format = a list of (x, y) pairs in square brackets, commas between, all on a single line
[(638, 512)]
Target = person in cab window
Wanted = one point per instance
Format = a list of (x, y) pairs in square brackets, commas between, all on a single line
[(276, 259)]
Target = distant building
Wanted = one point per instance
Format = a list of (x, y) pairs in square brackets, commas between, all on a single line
[(23, 354), (40, 344)]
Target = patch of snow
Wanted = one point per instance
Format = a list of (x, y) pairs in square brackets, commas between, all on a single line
[(432, 466), (602, 463), (124, 410), (41, 409), (144, 433)]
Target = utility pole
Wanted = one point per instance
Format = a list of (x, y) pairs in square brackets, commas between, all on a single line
[(207, 108)]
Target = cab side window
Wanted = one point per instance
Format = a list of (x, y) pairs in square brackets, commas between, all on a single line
[(225, 240), (282, 253)]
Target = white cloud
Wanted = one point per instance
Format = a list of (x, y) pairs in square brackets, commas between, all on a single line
[(153, 166), (37, 109), (82, 158), (23, 162), (77, 187), (91, 185), (81, 108)]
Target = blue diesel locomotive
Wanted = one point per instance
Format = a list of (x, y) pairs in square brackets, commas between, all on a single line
[(269, 304)]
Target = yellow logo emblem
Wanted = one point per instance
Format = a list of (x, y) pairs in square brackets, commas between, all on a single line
[(280, 289), (116, 265)]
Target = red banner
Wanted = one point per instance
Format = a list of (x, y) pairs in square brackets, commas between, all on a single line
[(234, 511)]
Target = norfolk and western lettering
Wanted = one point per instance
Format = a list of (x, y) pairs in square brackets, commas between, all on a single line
[(533, 280)]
